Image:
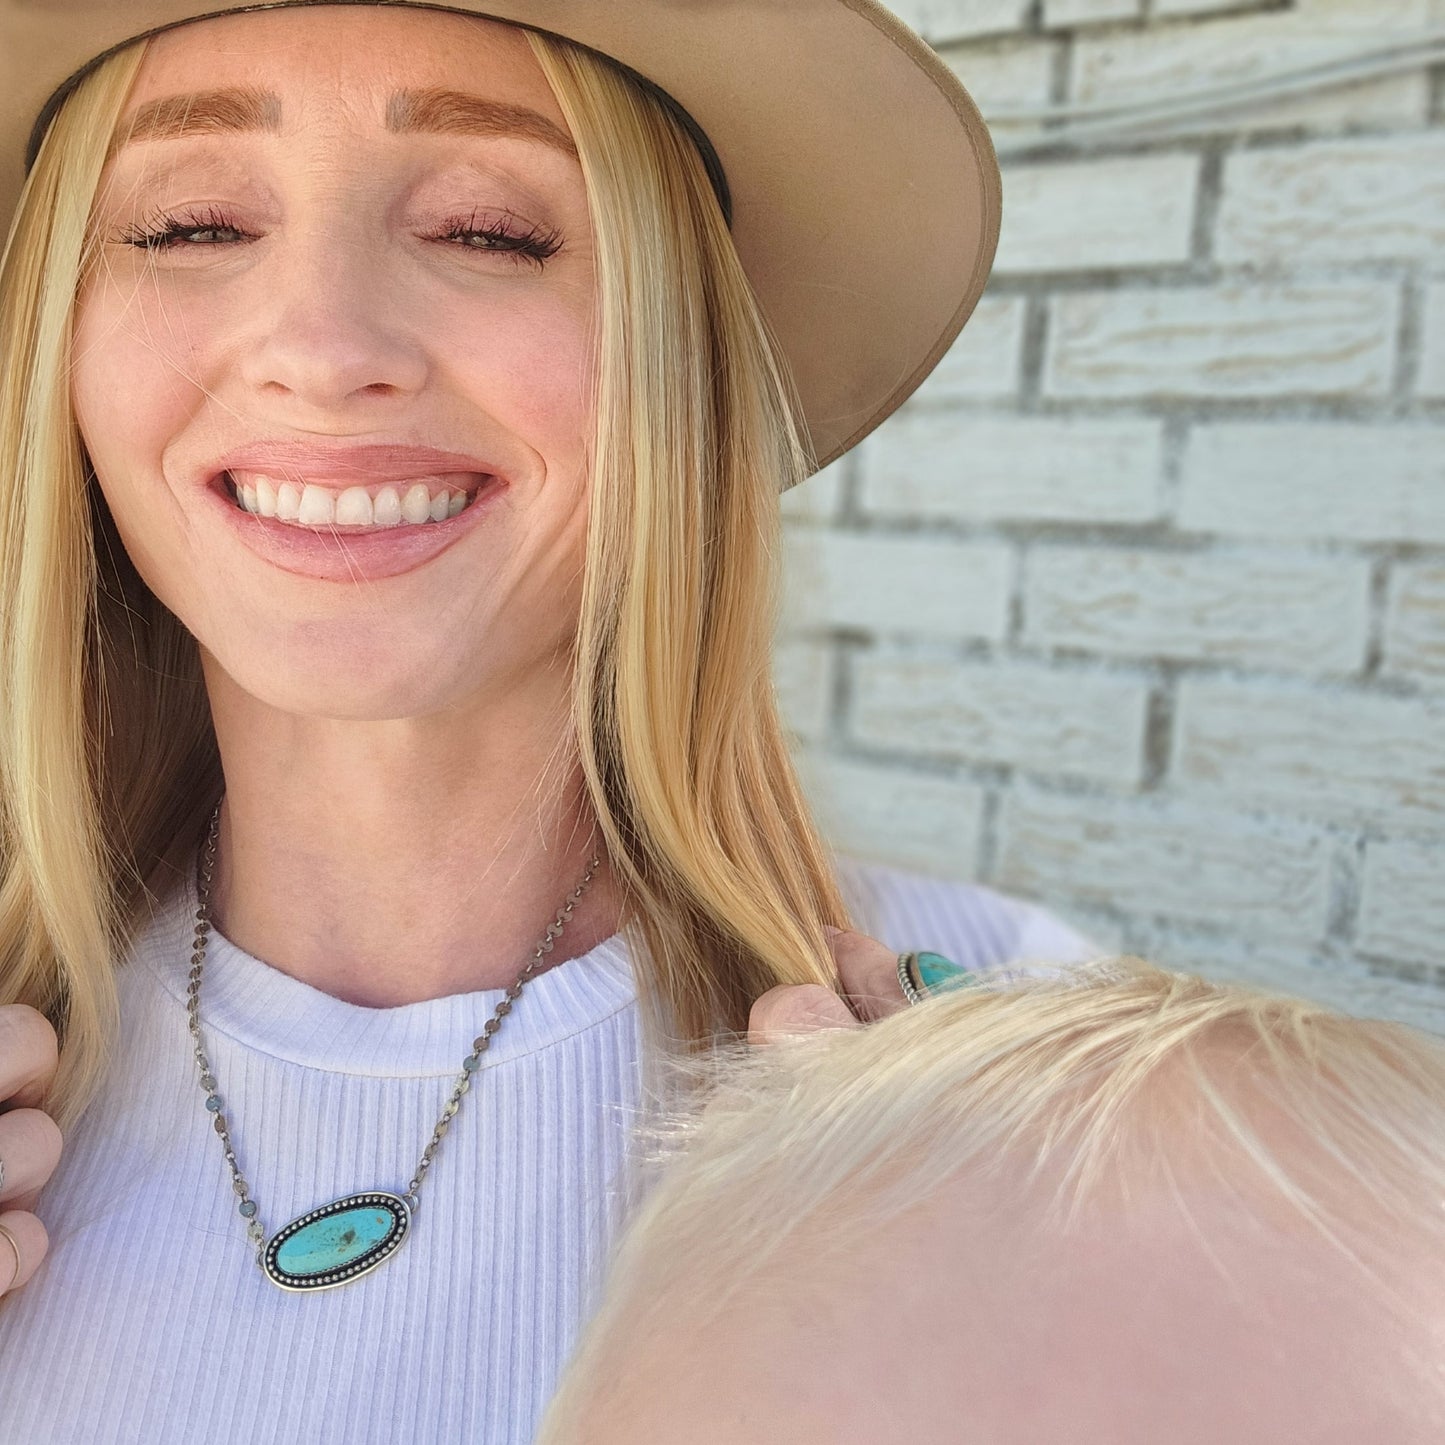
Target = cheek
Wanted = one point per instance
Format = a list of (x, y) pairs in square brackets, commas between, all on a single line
[(135, 377)]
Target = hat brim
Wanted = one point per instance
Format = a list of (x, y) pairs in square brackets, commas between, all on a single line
[(865, 190)]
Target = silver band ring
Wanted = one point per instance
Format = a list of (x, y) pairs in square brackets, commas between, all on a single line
[(2, 1173), (14, 1244), (911, 991)]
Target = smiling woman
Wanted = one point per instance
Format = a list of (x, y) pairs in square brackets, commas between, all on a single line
[(395, 407)]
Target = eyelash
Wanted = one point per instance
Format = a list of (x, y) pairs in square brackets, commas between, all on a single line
[(537, 244)]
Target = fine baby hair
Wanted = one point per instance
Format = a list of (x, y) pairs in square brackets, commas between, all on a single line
[(1048, 1112)]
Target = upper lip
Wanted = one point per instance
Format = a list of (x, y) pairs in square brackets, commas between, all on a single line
[(332, 462)]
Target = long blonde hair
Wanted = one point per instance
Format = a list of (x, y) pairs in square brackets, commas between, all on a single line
[(109, 768)]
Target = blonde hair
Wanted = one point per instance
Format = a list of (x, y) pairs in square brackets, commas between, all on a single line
[(109, 768), (1084, 1087)]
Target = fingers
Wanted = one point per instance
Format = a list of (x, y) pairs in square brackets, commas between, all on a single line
[(796, 1008), (31, 1241), (868, 971), (29, 1055), (30, 1145)]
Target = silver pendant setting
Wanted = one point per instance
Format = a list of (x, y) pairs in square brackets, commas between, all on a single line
[(338, 1242)]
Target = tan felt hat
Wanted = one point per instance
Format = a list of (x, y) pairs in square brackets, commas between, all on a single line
[(855, 170)]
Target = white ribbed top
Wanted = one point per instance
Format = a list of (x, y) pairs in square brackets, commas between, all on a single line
[(148, 1320)]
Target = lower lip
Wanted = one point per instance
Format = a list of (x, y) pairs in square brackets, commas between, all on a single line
[(340, 556)]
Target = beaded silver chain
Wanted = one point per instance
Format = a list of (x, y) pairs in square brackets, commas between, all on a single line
[(354, 1252)]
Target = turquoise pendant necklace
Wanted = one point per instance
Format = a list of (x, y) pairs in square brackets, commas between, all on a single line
[(341, 1241)]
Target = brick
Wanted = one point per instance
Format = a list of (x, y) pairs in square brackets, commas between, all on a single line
[(1224, 341), (1337, 200), (1062, 13), (1207, 7), (1119, 211), (1282, 611), (939, 21), (1402, 902), (803, 678), (818, 498), (941, 465), (1415, 621), (1046, 719), (1004, 73), (985, 359), (1358, 483), (1431, 381), (1346, 986), (1168, 60), (889, 815), (896, 584), (1345, 755), (1170, 860)]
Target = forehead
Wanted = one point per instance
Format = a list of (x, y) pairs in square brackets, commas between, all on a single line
[(352, 55)]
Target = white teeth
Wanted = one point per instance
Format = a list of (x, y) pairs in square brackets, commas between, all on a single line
[(311, 506)]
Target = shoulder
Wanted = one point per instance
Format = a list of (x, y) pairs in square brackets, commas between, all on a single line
[(976, 926)]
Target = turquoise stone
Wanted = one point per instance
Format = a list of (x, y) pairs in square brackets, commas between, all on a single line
[(336, 1241), (937, 973)]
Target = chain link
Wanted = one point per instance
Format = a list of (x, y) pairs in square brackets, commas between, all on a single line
[(247, 1207)]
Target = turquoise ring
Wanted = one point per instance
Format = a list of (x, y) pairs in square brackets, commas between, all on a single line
[(922, 974)]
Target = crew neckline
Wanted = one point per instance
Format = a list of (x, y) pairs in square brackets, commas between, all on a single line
[(262, 1008)]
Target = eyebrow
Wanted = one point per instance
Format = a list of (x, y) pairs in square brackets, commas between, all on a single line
[(435, 110)]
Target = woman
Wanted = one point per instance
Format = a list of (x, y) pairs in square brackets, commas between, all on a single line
[(391, 444)]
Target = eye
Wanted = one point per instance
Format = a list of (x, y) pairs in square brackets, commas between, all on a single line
[(168, 232), (538, 243)]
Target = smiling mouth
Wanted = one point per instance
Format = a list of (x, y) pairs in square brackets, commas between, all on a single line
[(379, 507)]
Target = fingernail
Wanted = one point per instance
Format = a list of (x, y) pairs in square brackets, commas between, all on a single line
[(831, 933)]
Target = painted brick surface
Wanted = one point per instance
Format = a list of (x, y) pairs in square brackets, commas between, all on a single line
[(893, 816), (907, 584), (1226, 341), (948, 465), (1169, 60), (1177, 670), (1432, 359), (1315, 752), (1415, 625), (1343, 200), (1126, 211), (939, 21), (1087, 12), (1402, 903), (1079, 724), (1297, 613), (1360, 483), (1150, 859)]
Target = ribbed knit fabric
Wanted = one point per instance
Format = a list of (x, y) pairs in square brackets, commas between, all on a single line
[(148, 1321)]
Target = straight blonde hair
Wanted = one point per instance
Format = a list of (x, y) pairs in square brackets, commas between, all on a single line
[(1078, 1090), (109, 768)]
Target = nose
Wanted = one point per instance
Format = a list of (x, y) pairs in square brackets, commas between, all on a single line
[(330, 327)]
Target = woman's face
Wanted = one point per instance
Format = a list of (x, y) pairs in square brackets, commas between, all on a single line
[(330, 285)]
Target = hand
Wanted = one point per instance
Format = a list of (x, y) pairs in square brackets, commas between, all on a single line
[(29, 1139), (868, 971)]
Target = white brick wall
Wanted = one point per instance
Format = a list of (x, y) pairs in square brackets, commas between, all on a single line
[(1281, 611), (1235, 340), (942, 465), (1153, 859), (1357, 482), (1415, 622), (1052, 720), (1137, 606)]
